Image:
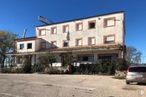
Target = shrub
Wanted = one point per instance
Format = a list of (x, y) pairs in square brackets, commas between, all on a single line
[(38, 68), (47, 59), (121, 65), (12, 70), (17, 70), (6, 70), (105, 67), (87, 69), (26, 67), (54, 70)]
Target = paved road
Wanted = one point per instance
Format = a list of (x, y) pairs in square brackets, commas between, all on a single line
[(41, 85)]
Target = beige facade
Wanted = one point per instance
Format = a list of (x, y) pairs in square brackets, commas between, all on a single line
[(117, 29), (87, 39)]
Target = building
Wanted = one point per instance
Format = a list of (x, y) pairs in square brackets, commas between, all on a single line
[(88, 40)]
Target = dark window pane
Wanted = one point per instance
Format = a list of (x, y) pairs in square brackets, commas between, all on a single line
[(85, 58), (65, 44), (91, 25), (29, 46), (137, 69), (21, 46)]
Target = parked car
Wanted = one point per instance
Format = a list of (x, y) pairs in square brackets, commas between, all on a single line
[(136, 73)]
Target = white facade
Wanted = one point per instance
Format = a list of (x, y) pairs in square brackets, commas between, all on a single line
[(88, 39), (34, 45)]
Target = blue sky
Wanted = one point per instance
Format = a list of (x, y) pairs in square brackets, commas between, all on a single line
[(15, 15)]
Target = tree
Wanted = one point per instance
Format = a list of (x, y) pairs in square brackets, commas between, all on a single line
[(47, 59), (133, 55), (67, 59), (27, 66), (6, 45)]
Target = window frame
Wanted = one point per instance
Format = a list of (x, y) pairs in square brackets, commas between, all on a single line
[(52, 30), (63, 28), (78, 40), (90, 42), (77, 26), (64, 42), (110, 18), (41, 32), (20, 46), (109, 42)]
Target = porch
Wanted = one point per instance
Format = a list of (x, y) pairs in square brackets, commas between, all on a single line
[(75, 56)]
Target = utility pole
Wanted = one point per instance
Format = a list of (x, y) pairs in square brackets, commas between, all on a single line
[(143, 58)]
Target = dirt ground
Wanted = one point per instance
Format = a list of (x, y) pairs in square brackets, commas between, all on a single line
[(43, 85)]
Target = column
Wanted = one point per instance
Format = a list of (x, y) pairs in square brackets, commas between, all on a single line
[(95, 57)]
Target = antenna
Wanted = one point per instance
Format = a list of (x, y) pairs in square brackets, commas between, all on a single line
[(24, 33), (44, 20)]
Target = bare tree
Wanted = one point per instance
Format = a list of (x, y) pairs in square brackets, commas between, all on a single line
[(6, 45), (133, 55)]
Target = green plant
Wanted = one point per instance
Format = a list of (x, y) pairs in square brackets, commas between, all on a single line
[(6, 70), (17, 70), (121, 65), (26, 66), (67, 59), (54, 70), (105, 67), (38, 68)]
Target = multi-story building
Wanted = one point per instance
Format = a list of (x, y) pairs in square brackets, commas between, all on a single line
[(88, 40)]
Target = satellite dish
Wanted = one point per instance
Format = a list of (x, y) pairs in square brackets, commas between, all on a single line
[(44, 20)]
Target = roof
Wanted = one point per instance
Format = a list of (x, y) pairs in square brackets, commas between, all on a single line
[(137, 65), (81, 18), (83, 48), (27, 38), (72, 49)]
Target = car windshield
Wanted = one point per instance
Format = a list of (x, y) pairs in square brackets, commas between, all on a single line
[(137, 69)]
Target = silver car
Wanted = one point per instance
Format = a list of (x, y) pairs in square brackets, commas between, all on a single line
[(136, 73)]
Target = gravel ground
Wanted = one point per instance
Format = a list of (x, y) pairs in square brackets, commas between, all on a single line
[(42, 85)]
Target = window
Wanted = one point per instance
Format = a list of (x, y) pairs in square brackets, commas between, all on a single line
[(86, 58), (29, 46), (42, 32), (109, 39), (79, 26), (53, 44), (105, 57), (137, 69), (91, 24), (78, 42), (53, 30), (65, 43), (21, 46), (109, 22), (43, 45), (91, 41), (65, 28)]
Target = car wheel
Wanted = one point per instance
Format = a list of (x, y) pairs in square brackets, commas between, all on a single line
[(139, 83), (127, 83)]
